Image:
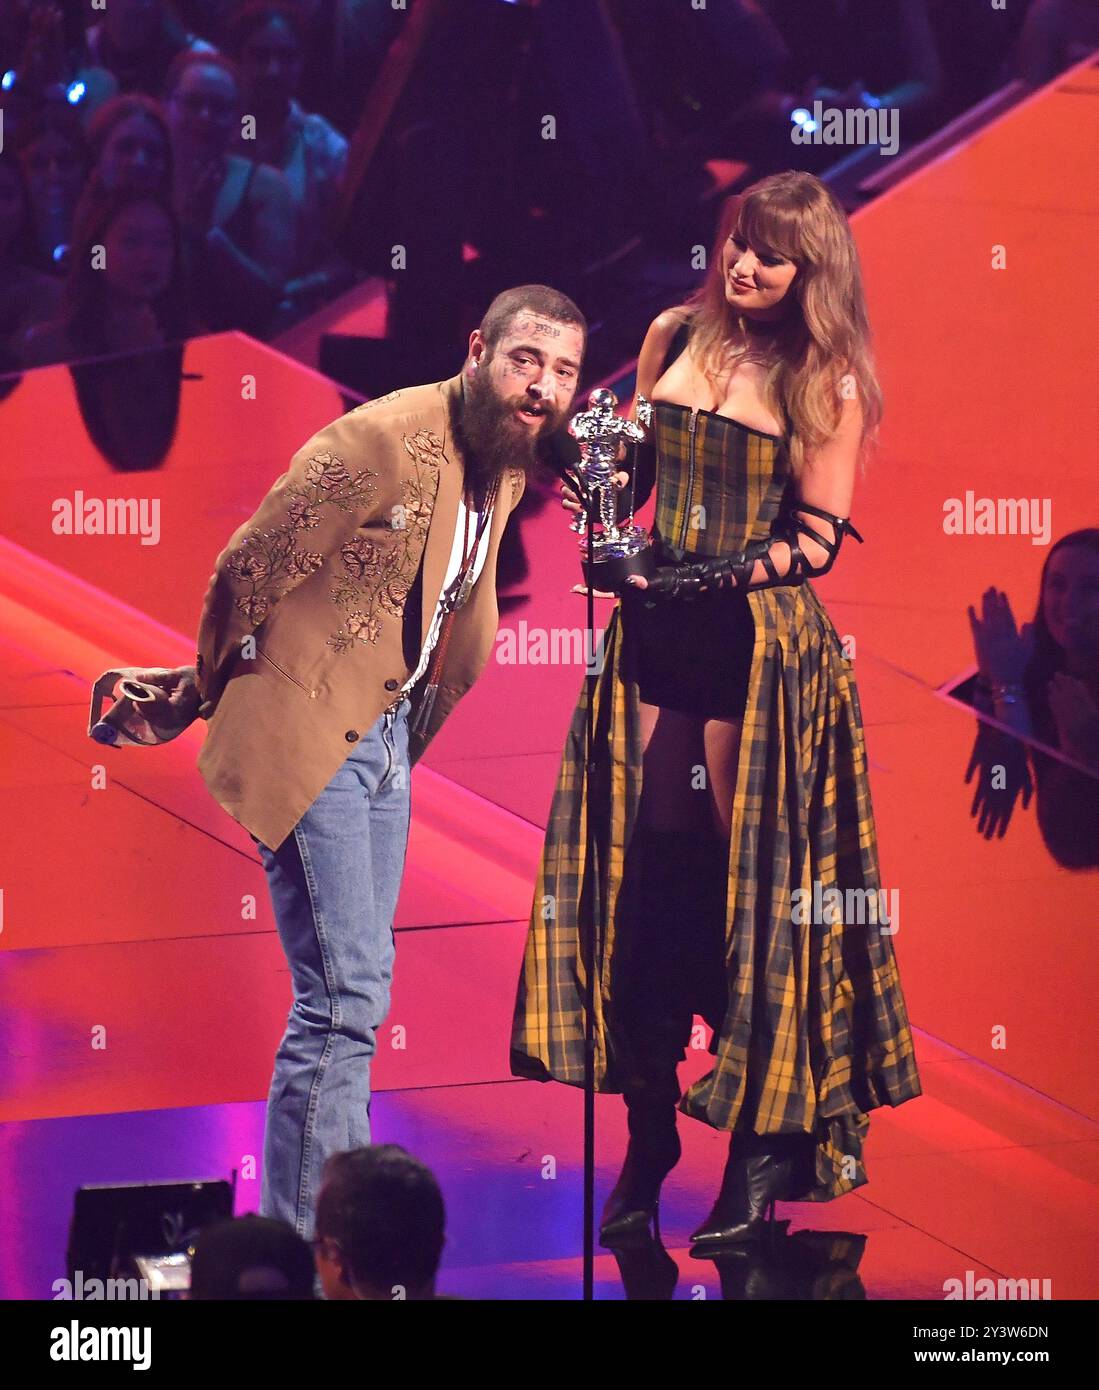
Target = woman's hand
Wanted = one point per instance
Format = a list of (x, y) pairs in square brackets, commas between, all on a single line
[(599, 593), (992, 804), (1002, 652)]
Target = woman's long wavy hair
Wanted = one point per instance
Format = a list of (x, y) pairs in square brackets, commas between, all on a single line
[(820, 352)]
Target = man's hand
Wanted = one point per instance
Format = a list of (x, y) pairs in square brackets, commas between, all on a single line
[(180, 701), (571, 502)]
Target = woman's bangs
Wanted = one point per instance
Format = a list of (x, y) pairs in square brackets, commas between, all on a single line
[(770, 229)]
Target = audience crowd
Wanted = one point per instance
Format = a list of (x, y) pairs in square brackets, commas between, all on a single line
[(169, 167)]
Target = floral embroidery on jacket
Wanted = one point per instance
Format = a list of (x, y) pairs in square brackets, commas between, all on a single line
[(268, 561), (377, 573)]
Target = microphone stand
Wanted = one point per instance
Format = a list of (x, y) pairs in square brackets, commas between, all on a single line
[(588, 926), (587, 912)]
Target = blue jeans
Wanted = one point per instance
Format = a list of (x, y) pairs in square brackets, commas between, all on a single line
[(334, 883)]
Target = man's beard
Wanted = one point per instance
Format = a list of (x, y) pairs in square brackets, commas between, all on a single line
[(492, 438)]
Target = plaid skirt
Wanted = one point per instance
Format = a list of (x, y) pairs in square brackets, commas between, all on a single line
[(816, 1033)]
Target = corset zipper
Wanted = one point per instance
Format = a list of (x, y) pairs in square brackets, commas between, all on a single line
[(690, 474)]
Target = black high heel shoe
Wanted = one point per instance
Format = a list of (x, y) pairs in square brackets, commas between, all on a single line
[(758, 1172), (654, 1150)]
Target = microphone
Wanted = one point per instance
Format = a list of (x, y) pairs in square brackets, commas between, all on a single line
[(562, 454)]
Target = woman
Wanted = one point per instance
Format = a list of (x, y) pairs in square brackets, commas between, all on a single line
[(131, 146), (238, 216), (1043, 683), (131, 297), (730, 773)]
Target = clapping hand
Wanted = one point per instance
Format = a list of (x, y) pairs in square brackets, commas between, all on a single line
[(1002, 652), (992, 805)]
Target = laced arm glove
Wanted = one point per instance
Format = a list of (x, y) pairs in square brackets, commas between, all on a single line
[(725, 571)]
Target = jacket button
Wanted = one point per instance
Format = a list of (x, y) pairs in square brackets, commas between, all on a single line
[(351, 736), (391, 684)]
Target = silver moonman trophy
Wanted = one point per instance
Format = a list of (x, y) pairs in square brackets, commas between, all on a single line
[(619, 548)]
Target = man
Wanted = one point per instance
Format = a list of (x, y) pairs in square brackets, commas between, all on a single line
[(380, 1226), (251, 1257), (325, 666)]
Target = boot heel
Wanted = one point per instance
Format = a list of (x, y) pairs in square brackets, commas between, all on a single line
[(634, 1205), (753, 1180)]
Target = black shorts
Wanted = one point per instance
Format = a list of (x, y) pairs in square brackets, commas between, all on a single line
[(692, 655)]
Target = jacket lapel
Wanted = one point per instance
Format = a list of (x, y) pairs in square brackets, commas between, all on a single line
[(444, 512)]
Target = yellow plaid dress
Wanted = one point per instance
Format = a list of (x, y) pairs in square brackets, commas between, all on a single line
[(816, 1031)]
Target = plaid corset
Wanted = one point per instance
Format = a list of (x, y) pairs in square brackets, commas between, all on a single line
[(719, 484)]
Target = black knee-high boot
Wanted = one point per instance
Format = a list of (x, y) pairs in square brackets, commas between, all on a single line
[(654, 1014), (652, 1153)]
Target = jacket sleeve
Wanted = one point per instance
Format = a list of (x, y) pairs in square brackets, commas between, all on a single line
[(311, 510)]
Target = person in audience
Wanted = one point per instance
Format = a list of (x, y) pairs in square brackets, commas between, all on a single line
[(265, 39), (47, 59), (131, 146), (125, 288), (380, 1225), (346, 43), (137, 41), (238, 215), (251, 1257), (1042, 682), (27, 295), (53, 154)]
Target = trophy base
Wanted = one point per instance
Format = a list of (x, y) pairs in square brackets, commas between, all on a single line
[(609, 575)]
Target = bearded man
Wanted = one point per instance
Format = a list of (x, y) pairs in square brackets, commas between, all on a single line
[(341, 625)]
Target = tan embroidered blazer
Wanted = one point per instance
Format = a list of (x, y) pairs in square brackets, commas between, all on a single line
[(316, 611)]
